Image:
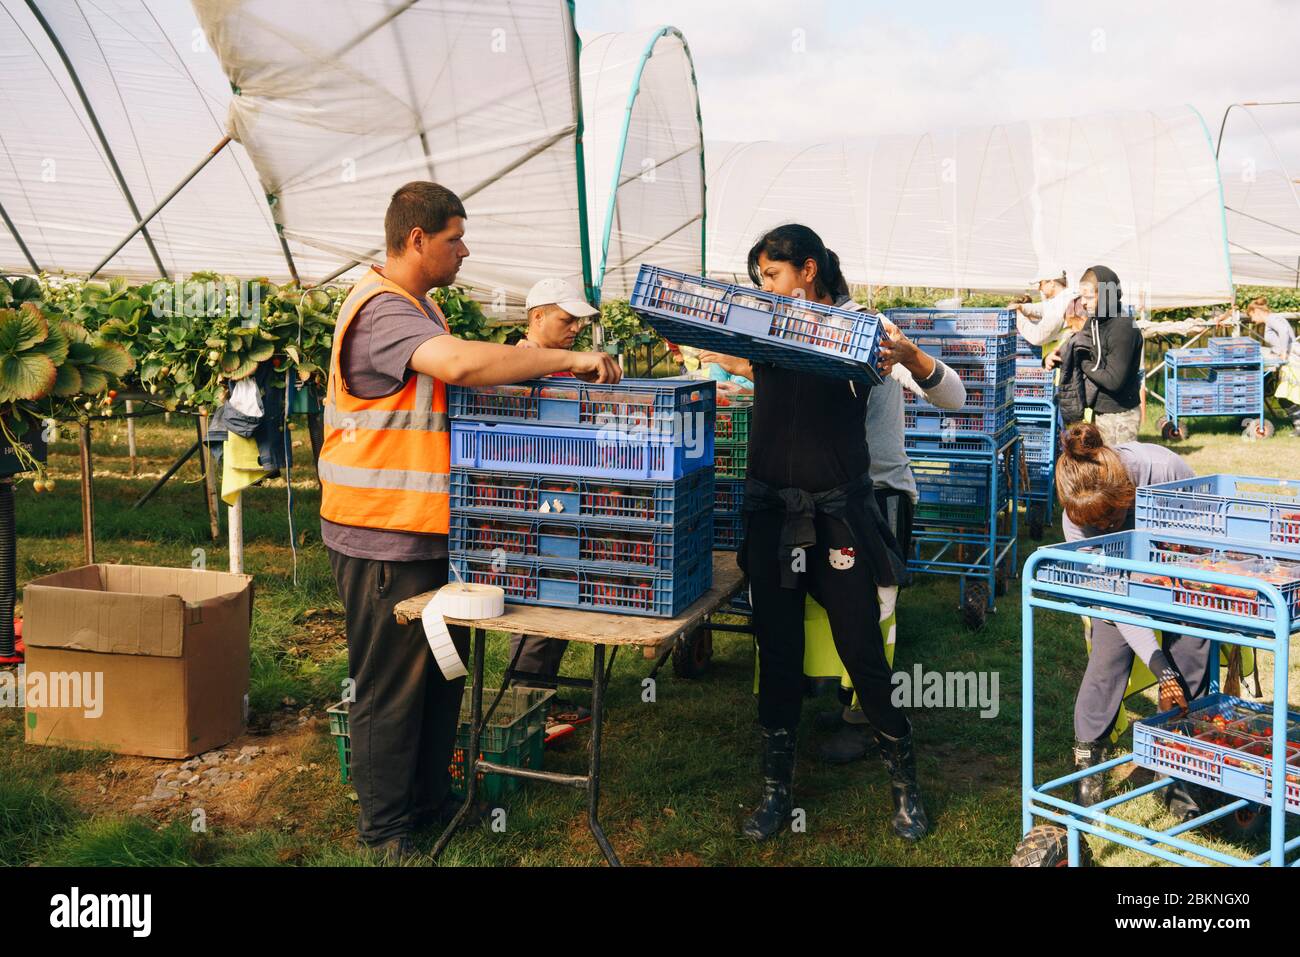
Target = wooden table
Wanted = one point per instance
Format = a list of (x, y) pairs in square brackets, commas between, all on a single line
[(653, 636)]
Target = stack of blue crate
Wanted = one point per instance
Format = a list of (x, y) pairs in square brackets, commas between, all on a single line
[(730, 461), (966, 461), (1037, 422), (577, 495)]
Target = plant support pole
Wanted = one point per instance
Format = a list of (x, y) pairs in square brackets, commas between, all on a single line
[(87, 494), (235, 516), (209, 480), (130, 433)]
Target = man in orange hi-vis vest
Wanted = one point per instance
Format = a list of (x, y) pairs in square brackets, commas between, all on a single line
[(385, 472)]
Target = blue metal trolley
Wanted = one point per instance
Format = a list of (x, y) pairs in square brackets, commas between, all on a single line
[(1109, 578), (1226, 378)]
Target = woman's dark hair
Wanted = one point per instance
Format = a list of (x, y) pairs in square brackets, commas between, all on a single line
[(1091, 480), (796, 244)]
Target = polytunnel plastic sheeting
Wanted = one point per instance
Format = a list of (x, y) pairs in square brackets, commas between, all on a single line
[(479, 96), (643, 145), (992, 207), (1259, 160), (159, 96)]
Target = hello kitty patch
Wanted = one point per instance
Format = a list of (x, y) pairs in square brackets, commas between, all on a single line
[(842, 559)]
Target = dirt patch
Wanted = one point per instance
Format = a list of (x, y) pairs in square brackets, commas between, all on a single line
[(235, 786), (319, 634)]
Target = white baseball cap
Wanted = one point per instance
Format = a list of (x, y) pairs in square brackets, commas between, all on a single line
[(562, 293), (1051, 271)]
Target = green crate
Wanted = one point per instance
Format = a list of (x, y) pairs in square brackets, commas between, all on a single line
[(730, 459), (948, 514), (731, 422), (514, 738)]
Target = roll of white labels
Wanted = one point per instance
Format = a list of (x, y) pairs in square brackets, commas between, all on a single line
[(466, 602)]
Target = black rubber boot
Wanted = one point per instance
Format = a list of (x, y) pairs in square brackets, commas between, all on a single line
[(849, 743), (774, 809), (910, 822), (1185, 801), (1088, 791)]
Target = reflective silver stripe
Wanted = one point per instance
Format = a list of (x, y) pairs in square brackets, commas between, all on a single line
[(379, 419), (423, 391), (402, 479)]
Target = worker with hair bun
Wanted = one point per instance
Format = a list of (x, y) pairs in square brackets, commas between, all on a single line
[(1097, 486)]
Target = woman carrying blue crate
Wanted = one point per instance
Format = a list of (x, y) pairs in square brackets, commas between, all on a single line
[(1097, 485), (812, 526)]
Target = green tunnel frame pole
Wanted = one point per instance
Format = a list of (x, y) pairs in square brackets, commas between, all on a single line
[(99, 130), (22, 246), (143, 221), (612, 205)]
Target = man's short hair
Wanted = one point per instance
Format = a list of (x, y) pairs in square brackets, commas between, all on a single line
[(419, 203)]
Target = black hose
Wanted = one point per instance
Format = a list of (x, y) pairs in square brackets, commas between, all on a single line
[(8, 568)]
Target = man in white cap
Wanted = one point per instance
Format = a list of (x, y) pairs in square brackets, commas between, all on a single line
[(557, 313), (1044, 323)]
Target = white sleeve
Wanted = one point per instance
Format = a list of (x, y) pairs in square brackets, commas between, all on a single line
[(948, 393), (1047, 328)]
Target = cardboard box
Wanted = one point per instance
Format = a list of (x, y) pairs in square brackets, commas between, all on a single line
[(169, 647)]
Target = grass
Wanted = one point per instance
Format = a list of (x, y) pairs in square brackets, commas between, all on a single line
[(679, 773)]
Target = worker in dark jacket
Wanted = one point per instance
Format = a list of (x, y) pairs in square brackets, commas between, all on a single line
[(1109, 353)]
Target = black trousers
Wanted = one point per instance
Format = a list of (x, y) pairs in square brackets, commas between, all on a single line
[(540, 656), (842, 584), (404, 719), (1101, 693)]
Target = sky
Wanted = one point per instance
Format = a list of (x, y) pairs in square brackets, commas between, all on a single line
[(822, 69)]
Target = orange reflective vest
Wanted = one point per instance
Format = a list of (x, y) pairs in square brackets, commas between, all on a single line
[(385, 463)]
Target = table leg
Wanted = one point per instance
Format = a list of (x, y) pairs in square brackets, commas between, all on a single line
[(478, 641), (593, 782)]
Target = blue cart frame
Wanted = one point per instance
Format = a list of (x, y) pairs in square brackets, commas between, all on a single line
[(1175, 362), (993, 549), (1042, 413), (1217, 627)]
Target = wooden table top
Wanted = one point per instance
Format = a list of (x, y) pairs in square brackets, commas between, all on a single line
[(652, 635)]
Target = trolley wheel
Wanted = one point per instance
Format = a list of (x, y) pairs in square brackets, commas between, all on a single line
[(1037, 520), (1048, 846), (1245, 824), (693, 653), (1170, 432), (1252, 429), (975, 607)]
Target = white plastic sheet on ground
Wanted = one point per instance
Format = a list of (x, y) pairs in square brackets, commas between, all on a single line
[(160, 98), (479, 95), (644, 166), (989, 208), (1259, 160)]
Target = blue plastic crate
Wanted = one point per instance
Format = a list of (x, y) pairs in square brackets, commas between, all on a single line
[(1034, 390), (966, 442), (1233, 757), (1240, 507), (1174, 585), (644, 546), (1235, 347), (561, 584), (979, 371), (1187, 358), (979, 398), (968, 321), (966, 348), (1025, 348), (955, 483), (1038, 444), (524, 495), (918, 419), (728, 530), (728, 495), (1227, 378), (793, 333), (601, 453), (655, 405)]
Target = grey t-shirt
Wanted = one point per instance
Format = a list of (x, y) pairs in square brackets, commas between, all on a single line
[(375, 361), (1278, 335), (1146, 464)]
